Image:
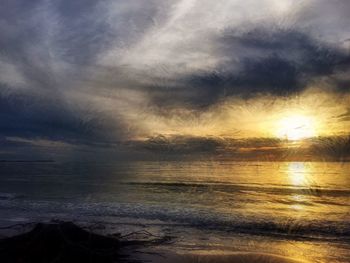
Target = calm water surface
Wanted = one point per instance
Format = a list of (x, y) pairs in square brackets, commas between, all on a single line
[(299, 209)]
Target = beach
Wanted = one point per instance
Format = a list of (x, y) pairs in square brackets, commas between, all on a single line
[(222, 257)]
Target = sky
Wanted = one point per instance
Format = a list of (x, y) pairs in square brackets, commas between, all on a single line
[(104, 76)]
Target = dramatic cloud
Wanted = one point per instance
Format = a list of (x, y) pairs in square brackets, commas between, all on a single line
[(278, 61), (89, 72), (336, 148)]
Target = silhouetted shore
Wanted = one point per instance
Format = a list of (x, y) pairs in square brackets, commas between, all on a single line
[(65, 242)]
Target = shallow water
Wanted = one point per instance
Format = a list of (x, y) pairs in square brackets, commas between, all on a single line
[(296, 208)]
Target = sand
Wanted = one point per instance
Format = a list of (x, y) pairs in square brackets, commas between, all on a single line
[(231, 257)]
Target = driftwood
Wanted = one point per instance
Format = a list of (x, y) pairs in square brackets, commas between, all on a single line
[(66, 242)]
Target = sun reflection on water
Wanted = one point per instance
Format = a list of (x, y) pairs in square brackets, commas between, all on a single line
[(298, 175)]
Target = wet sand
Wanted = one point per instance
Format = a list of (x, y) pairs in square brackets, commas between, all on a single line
[(226, 257)]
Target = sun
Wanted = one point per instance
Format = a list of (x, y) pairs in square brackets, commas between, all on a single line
[(296, 127)]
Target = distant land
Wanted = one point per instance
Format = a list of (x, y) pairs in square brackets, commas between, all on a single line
[(27, 161)]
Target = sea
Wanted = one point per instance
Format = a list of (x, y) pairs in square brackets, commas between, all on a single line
[(294, 209)]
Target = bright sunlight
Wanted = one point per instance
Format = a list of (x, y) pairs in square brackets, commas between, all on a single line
[(296, 127)]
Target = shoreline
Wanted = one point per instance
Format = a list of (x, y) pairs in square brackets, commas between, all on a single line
[(64, 242), (209, 256), (146, 244)]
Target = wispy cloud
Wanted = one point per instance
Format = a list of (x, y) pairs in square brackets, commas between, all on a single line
[(112, 70)]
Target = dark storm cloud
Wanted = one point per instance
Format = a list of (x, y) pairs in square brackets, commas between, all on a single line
[(280, 62), (33, 117), (283, 59)]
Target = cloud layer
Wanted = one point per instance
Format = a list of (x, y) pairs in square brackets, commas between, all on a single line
[(106, 71)]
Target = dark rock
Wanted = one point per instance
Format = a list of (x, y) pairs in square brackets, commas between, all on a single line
[(59, 242)]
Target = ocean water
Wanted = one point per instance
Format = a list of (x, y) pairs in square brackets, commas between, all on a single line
[(297, 209)]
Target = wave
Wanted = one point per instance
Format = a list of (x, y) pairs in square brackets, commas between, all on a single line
[(229, 187), (202, 219)]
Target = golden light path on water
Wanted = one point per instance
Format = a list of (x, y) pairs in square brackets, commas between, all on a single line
[(297, 173), (298, 176)]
